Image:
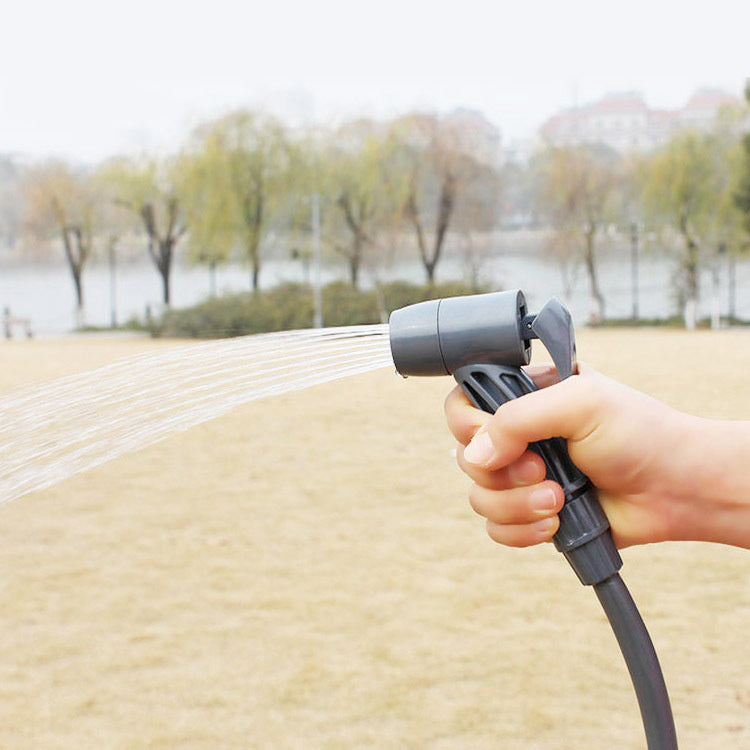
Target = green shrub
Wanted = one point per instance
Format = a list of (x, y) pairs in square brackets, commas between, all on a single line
[(343, 305), (284, 307), (290, 306), (396, 294)]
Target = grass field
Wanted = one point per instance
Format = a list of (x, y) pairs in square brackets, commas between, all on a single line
[(305, 572)]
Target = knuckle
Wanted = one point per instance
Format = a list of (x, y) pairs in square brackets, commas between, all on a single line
[(508, 536), (475, 499), (449, 405), (522, 535)]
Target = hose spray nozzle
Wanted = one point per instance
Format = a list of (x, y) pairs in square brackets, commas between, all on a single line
[(440, 336), (483, 340)]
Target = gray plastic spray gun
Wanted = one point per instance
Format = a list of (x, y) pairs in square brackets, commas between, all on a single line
[(483, 341)]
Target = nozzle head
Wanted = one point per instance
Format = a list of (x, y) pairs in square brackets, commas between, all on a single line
[(415, 342), (439, 336)]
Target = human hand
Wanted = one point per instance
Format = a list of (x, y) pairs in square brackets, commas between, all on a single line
[(661, 474)]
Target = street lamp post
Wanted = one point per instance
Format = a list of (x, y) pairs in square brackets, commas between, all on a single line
[(112, 282), (317, 294), (634, 268), (732, 280)]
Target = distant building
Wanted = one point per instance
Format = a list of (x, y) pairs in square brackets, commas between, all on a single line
[(479, 136), (702, 108), (624, 122)]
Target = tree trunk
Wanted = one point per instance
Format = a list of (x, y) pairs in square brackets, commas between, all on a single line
[(690, 269), (76, 256), (253, 254), (80, 311), (716, 287), (212, 278), (252, 209), (165, 287), (161, 246), (690, 313), (429, 267), (445, 211), (165, 266), (356, 225), (596, 315), (417, 224), (413, 213), (355, 258)]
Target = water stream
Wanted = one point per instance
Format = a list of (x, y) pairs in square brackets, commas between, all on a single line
[(74, 423)]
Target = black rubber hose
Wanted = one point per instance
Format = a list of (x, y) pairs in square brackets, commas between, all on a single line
[(643, 664)]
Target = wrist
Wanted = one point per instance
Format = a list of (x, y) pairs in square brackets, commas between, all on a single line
[(712, 496)]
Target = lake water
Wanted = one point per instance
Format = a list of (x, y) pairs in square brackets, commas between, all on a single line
[(45, 294)]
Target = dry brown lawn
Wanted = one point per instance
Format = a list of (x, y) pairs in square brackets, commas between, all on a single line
[(305, 572)]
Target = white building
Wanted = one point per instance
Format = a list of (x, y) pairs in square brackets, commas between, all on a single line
[(624, 122)]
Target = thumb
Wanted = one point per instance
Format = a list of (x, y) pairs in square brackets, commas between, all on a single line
[(567, 409)]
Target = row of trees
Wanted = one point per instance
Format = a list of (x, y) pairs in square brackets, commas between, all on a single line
[(690, 197), (245, 180), (685, 197)]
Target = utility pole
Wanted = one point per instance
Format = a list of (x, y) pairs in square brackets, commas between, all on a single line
[(112, 282), (716, 286), (634, 267), (317, 294), (732, 276)]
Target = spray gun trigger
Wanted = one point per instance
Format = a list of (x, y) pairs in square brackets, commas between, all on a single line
[(553, 326), (527, 331)]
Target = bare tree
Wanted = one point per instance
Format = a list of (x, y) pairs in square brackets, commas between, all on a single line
[(439, 160), (689, 188), (576, 192), (354, 164), (151, 191), (475, 216), (62, 201), (237, 175)]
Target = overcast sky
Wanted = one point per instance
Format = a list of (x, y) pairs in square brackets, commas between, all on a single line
[(87, 78)]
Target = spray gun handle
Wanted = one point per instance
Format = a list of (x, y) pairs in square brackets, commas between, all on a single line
[(583, 536)]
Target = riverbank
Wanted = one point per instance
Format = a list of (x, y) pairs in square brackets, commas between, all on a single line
[(44, 293)]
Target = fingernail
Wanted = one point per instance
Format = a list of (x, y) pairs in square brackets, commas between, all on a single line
[(543, 501), (480, 450)]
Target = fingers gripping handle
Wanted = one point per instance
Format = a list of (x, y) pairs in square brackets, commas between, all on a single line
[(584, 536)]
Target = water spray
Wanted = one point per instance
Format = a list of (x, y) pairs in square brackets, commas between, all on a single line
[(483, 341), (77, 422)]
